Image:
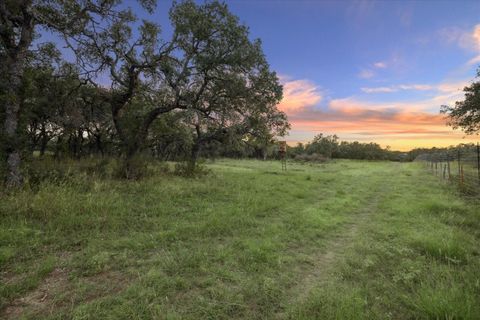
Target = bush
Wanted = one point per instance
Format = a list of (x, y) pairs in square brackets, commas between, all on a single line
[(187, 169), (133, 169), (47, 171), (314, 157)]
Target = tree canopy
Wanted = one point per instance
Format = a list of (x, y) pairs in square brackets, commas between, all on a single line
[(208, 81), (465, 114)]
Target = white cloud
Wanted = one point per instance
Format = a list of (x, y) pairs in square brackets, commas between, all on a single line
[(466, 39), (475, 60), (379, 90), (380, 65), (366, 74), (417, 87)]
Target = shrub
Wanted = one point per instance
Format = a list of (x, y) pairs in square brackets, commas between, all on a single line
[(187, 169), (47, 171), (133, 169), (314, 157)]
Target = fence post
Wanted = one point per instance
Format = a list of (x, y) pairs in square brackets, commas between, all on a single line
[(461, 175), (478, 161), (458, 158), (448, 165), (444, 171)]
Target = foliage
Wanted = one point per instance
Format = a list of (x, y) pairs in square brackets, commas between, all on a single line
[(19, 23), (466, 114), (209, 72), (325, 145), (314, 157), (330, 147), (190, 169), (207, 84)]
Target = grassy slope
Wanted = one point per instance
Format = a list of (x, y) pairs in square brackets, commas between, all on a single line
[(346, 240)]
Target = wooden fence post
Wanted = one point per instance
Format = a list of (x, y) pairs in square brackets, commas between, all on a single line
[(461, 175), (458, 158), (478, 161), (448, 165)]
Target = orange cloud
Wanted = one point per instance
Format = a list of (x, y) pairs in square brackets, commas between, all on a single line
[(476, 37), (452, 87), (400, 125), (298, 94)]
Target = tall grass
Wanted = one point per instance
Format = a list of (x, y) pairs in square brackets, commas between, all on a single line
[(238, 243)]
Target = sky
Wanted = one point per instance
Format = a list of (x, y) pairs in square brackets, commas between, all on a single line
[(371, 71)]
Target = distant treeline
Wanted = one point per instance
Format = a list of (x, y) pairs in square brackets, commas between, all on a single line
[(324, 147)]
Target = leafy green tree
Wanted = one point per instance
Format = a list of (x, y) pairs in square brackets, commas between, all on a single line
[(324, 145), (49, 97), (245, 112), (170, 138), (296, 150), (209, 70), (19, 22), (466, 114)]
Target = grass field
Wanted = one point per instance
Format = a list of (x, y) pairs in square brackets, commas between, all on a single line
[(343, 240)]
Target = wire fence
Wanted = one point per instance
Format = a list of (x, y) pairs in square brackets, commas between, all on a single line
[(460, 165)]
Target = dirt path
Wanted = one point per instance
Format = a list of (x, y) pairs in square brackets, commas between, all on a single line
[(44, 298), (324, 260)]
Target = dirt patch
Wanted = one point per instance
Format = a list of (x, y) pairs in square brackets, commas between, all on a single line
[(56, 291), (105, 283), (44, 295)]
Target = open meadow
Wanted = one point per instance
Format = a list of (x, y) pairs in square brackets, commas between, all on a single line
[(341, 240)]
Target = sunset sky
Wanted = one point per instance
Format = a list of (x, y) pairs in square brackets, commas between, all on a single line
[(366, 71), (369, 71)]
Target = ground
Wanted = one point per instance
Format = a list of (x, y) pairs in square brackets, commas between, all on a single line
[(341, 240)]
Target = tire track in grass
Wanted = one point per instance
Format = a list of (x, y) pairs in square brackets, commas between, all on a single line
[(324, 260)]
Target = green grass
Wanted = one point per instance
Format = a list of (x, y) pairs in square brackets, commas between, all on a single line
[(342, 240)]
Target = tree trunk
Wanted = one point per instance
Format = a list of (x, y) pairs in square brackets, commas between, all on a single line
[(192, 162), (79, 143), (43, 141), (12, 108), (98, 142), (130, 170), (58, 147), (16, 42), (264, 153), (43, 146)]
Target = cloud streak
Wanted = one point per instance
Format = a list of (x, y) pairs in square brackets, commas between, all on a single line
[(443, 87)]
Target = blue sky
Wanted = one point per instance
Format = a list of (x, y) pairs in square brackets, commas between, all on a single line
[(364, 70), (367, 70)]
